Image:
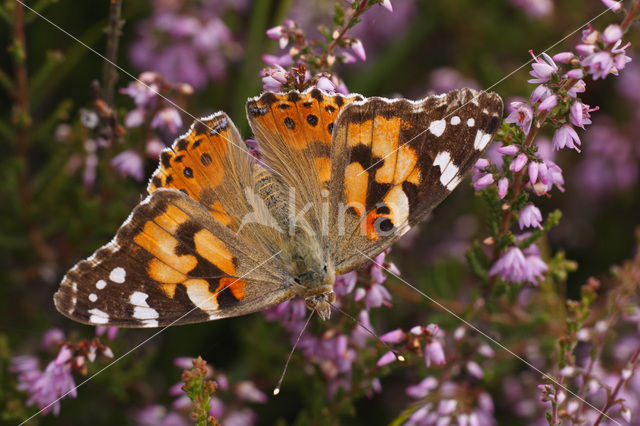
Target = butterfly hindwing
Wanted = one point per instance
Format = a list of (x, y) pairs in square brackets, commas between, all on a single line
[(171, 262), (393, 161)]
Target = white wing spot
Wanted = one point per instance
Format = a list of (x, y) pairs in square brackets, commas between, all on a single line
[(455, 120), (471, 122), (150, 323), (98, 316), (481, 140), (437, 127), (100, 284), (93, 297), (142, 310), (118, 275), (449, 171)]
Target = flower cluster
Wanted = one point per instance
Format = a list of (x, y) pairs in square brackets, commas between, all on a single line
[(45, 388), (188, 43)]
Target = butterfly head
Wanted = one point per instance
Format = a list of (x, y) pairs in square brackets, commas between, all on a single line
[(321, 303)]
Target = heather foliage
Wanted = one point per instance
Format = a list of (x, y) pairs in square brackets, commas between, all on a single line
[(516, 303)]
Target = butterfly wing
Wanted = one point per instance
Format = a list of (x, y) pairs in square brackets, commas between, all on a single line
[(393, 161), (294, 131), (170, 263), (211, 164)]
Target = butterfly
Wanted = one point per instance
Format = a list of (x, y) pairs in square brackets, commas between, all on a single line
[(225, 232)]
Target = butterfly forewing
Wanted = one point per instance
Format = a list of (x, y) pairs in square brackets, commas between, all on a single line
[(393, 161)]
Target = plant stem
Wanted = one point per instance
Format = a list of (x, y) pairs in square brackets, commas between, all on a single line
[(611, 399), (109, 71), (22, 120)]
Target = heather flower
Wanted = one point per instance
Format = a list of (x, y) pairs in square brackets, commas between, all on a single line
[(52, 338), (134, 118), (503, 187), (579, 114), (542, 70), (54, 383), (360, 335), (612, 33), (144, 90), (423, 388), (129, 163), (111, 331), (600, 64), (274, 79), (534, 168), (358, 49), (509, 149), (614, 5), (518, 163), (482, 181), (548, 103), (283, 60), (279, 33), (481, 164), (565, 136), (387, 5), (323, 83), (169, 118), (157, 415), (578, 87), (434, 353), (563, 57), (514, 267), (539, 93), (248, 391), (153, 147), (387, 358), (575, 73), (620, 59), (521, 115), (395, 336), (345, 283), (445, 79), (530, 216), (535, 8)]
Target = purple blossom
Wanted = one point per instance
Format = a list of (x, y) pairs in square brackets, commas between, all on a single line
[(423, 388), (563, 57), (612, 33), (576, 73), (445, 79), (535, 8), (387, 5), (614, 5), (394, 336), (539, 93), (283, 60), (542, 70), (323, 83), (345, 284), (579, 87), (129, 163), (434, 353), (144, 90), (534, 168), (387, 358), (157, 415), (521, 115), (248, 391), (518, 163), (358, 49), (52, 338), (167, 117), (54, 383), (513, 266), (548, 103), (134, 118), (482, 181), (530, 216), (509, 149), (274, 79), (474, 369), (111, 331), (503, 187), (279, 33), (565, 136)]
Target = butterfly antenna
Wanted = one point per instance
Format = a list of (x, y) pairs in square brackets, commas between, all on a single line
[(276, 390), (399, 357)]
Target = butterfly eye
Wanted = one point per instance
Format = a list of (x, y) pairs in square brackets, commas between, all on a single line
[(324, 268), (297, 280)]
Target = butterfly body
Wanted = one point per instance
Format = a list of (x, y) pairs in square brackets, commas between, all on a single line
[(223, 233)]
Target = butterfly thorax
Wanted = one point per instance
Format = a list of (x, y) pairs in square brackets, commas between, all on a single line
[(312, 271)]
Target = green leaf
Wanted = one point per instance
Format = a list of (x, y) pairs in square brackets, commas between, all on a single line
[(478, 262)]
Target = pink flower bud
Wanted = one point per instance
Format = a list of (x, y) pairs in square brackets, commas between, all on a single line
[(503, 187), (612, 33), (395, 336), (548, 103), (519, 163), (563, 57), (387, 358), (358, 49), (509, 149), (533, 172), (615, 6), (576, 73)]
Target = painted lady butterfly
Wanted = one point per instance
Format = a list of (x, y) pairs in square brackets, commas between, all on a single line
[(222, 233)]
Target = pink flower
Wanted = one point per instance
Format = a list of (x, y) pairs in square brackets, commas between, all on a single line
[(248, 391), (522, 115), (539, 93), (434, 353), (565, 136), (111, 331), (519, 162), (548, 103), (533, 171), (612, 33), (395, 336), (530, 216), (475, 370), (387, 358), (423, 388), (53, 384), (129, 163), (52, 338), (387, 5), (615, 6), (482, 163), (274, 79), (579, 114), (273, 60), (579, 87), (169, 118), (483, 181), (620, 59), (358, 49), (134, 118), (542, 70), (563, 57), (513, 266), (509, 149), (323, 83), (503, 187), (279, 33), (575, 73)]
